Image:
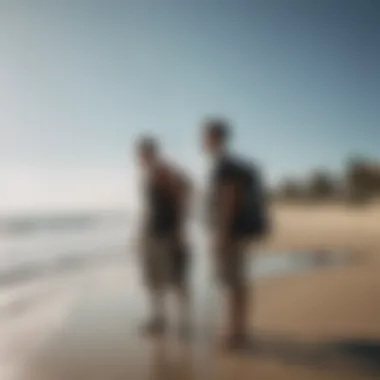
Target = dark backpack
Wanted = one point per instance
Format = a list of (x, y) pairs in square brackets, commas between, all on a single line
[(254, 215)]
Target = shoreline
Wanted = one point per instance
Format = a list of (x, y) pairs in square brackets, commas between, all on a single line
[(103, 305)]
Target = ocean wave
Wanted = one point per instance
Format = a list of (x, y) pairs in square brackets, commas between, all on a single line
[(67, 261), (28, 224)]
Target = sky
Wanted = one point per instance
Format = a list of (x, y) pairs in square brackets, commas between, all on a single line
[(81, 79)]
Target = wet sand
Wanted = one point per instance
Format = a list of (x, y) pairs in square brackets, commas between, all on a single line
[(87, 325), (99, 338)]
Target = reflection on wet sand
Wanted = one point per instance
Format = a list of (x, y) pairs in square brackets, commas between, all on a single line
[(169, 362), (98, 336)]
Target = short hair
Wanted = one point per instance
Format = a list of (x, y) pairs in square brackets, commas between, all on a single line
[(218, 129), (148, 144)]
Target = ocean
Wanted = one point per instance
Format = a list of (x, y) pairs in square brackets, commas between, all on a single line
[(37, 245), (33, 245)]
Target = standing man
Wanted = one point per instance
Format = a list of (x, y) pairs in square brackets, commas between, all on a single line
[(239, 218), (165, 256)]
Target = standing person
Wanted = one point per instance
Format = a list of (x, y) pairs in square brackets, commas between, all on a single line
[(239, 218), (165, 253)]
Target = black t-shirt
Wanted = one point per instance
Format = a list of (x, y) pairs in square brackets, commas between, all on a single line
[(231, 171), (163, 210)]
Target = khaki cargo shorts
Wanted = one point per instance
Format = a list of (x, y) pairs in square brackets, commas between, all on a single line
[(231, 263), (163, 266)]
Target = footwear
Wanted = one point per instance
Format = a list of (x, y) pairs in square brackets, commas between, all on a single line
[(155, 327)]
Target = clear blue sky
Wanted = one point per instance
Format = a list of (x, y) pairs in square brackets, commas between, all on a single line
[(79, 79)]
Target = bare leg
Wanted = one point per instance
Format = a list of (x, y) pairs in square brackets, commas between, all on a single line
[(183, 298), (156, 272), (181, 283), (158, 307), (238, 303), (239, 310), (157, 322)]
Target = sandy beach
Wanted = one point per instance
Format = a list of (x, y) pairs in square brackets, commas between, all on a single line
[(331, 302), (326, 226), (87, 327)]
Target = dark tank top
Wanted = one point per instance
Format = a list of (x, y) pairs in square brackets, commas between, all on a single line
[(163, 215)]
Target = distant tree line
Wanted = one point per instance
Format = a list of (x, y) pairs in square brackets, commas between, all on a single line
[(359, 182)]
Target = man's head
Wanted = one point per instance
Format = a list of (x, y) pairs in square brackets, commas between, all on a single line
[(148, 151), (216, 135)]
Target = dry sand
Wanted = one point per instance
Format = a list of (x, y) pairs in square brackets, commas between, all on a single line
[(295, 316), (332, 226), (331, 302)]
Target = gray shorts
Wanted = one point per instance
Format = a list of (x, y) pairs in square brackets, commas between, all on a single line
[(231, 263), (163, 265)]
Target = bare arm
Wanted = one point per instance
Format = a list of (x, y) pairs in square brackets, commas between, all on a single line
[(226, 210), (226, 186), (184, 191)]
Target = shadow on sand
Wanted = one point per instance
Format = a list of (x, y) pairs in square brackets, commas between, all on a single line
[(359, 355)]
